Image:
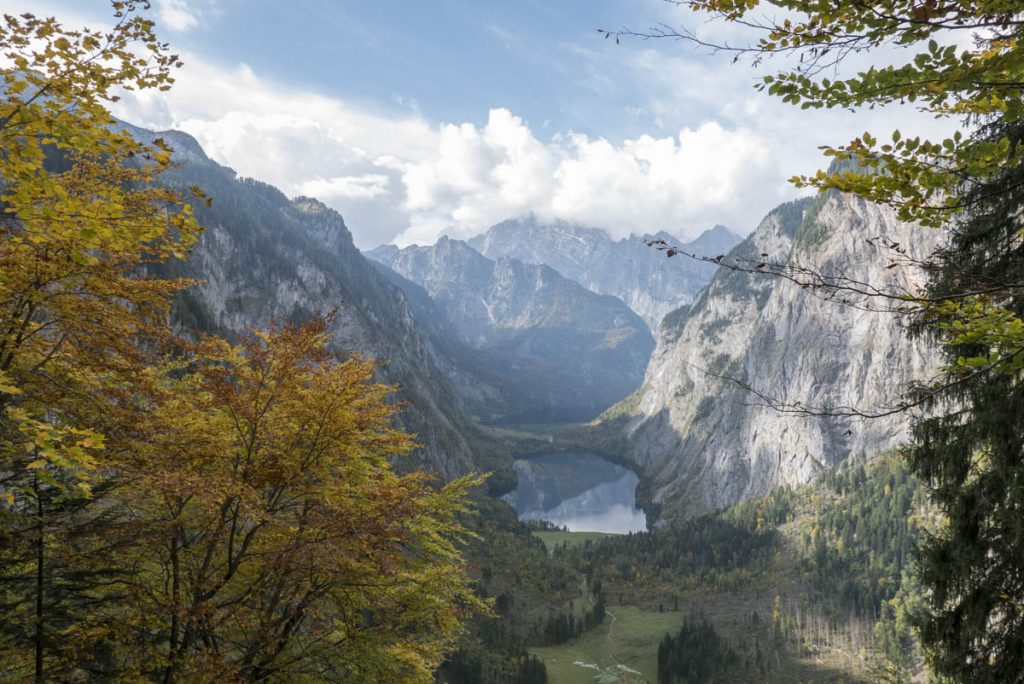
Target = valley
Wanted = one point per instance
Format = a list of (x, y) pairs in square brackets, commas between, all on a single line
[(475, 343), (596, 432), (756, 544), (807, 584)]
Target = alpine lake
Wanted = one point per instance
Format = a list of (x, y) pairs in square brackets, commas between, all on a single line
[(579, 491)]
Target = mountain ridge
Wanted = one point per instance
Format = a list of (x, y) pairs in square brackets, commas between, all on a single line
[(625, 268), (265, 258), (697, 431), (575, 351)]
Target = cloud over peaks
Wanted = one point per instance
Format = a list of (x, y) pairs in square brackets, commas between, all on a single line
[(398, 177), (479, 176)]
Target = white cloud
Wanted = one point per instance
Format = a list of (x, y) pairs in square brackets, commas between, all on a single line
[(477, 177), (411, 181), (176, 15), (715, 150), (679, 85), (702, 176), (300, 141), (397, 177), (366, 186), (683, 184)]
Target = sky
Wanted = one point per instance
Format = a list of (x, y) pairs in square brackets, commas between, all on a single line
[(417, 119)]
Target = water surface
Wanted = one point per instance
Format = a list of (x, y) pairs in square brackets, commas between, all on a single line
[(579, 490)]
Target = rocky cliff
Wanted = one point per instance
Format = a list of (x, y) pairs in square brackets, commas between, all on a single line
[(704, 441), (626, 268), (550, 349), (264, 257)]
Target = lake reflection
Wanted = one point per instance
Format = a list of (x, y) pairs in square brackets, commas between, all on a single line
[(581, 491)]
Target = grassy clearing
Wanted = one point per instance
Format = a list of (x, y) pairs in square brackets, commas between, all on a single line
[(636, 633), (554, 538), (630, 638)]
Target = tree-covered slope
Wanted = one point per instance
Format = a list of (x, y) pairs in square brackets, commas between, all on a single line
[(808, 583)]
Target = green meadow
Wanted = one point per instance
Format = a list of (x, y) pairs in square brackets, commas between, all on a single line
[(555, 538), (624, 648)]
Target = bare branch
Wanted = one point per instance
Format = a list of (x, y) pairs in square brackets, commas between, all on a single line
[(919, 396)]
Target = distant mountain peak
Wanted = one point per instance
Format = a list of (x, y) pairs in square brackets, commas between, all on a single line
[(626, 268), (718, 240), (718, 232)]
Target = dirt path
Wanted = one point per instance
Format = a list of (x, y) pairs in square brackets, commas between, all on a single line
[(611, 642)]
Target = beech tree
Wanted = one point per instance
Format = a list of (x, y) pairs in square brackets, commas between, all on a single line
[(78, 324), (272, 539), (80, 216), (970, 450)]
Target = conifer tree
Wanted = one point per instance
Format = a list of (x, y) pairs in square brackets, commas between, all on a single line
[(971, 449)]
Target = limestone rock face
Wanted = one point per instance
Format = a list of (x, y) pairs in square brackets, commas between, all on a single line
[(643, 278), (706, 441)]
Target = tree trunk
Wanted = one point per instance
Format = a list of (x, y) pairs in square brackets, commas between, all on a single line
[(175, 591), (40, 565)]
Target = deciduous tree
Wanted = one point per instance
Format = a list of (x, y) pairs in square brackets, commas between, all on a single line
[(79, 217), (176, 513), (275, 540)]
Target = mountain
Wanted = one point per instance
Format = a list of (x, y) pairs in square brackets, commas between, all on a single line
[(554, 350), (264, 258), (703, 440), (644, 278)]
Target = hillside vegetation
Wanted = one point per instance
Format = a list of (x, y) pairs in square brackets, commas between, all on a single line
[(813, 583)]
